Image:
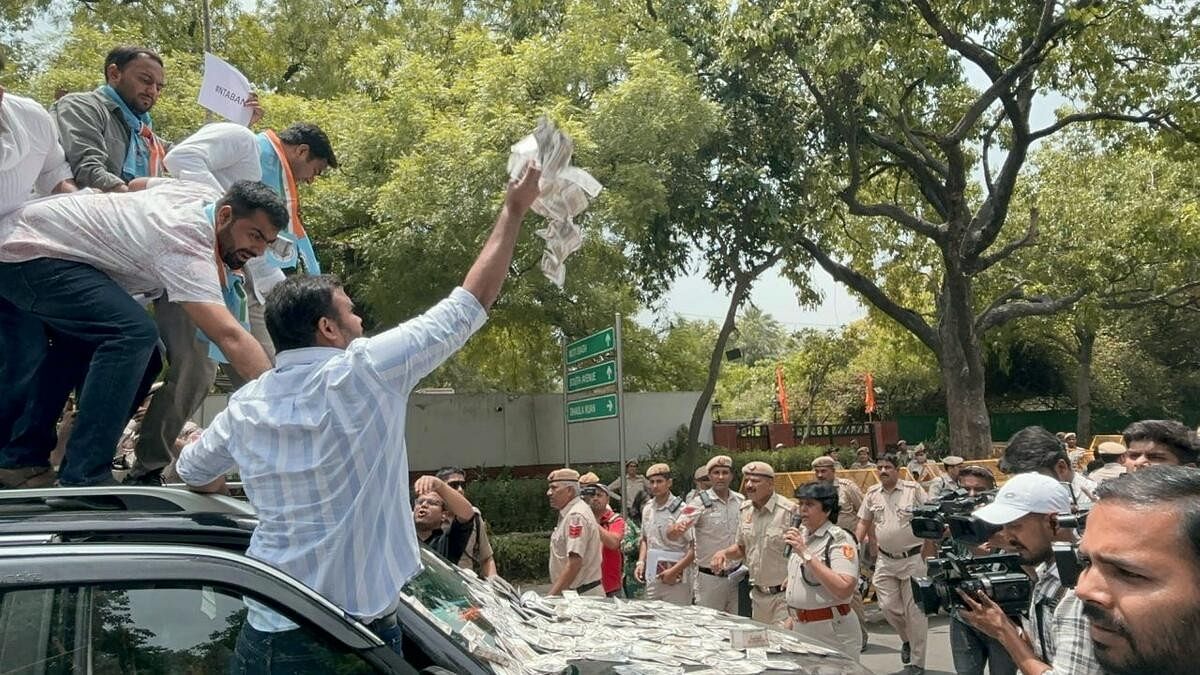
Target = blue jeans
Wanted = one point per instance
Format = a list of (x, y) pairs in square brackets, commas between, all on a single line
[(972, 650), (295, 651), (89, 309)]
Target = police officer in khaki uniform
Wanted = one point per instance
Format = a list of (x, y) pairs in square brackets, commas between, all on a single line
[(765, 516), (850, 498), (822, 571), (575, 553), (885, 521), (948, 481), (712, 515), (664, 564), (1111, 453)]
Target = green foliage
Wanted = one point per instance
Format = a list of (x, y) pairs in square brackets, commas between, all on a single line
[(523, 556)]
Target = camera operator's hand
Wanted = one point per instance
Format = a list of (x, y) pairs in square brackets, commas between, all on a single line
[(983, 613)]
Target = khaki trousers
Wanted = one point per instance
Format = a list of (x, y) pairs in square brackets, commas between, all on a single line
[(676, 594), (840, 631), (718, 593), (893, 588), (767, 608)]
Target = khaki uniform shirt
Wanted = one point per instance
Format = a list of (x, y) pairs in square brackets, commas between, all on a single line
[(891, 512), (850, 498), (861, 465), (941, 485), (479, 547), (843, 559), (761, 536), (656, 520), (1110, 470), (579, 533), (917, 469), (715, 526)]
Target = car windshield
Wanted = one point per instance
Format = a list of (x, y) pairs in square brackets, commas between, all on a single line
[(462, 605)]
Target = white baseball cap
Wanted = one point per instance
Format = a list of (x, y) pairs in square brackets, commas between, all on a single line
[(1024, 494)]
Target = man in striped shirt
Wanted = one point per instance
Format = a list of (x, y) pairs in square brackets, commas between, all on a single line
[(319, 440)]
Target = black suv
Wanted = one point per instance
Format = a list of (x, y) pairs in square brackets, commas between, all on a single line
[(153, 580)]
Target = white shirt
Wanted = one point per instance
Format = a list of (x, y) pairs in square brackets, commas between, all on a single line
[(319, 444), (221, 154), (1084, 489), (31, 159), (155, 240)]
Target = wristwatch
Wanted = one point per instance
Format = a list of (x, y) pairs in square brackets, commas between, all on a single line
[(806, 556)]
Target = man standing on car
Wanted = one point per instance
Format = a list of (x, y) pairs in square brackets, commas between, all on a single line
[(319, 440)]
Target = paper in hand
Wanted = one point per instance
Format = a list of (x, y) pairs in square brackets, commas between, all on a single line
[(224, 90), (565, 192)]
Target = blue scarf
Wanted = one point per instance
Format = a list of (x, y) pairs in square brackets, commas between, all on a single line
[(273, 176), (137, 154), (234, 293)]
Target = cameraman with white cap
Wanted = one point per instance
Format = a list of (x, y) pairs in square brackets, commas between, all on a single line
[(1054, 636)]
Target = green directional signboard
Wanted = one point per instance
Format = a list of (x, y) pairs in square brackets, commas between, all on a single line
[(590, 346), (599, 375), (594, 408)]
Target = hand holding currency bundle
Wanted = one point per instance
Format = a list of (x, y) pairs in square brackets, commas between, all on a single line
[(565, 192)]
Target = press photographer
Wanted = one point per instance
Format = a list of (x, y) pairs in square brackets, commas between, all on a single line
[(1141, 584), (1053, 636), (969, 539)]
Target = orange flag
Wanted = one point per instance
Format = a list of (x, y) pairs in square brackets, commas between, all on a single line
[(781, 393), (870, 399)]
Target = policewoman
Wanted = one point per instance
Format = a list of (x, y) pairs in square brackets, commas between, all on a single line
[(822, 572)]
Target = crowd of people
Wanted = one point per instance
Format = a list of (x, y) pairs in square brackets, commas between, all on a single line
[(804, 557)]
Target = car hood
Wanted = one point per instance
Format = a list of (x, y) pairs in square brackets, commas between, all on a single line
[(590, 636)]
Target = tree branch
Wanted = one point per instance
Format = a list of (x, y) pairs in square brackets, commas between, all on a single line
[(1151, 117), (1031, 233), (875, 295), (1164, 298), (1000, 314)]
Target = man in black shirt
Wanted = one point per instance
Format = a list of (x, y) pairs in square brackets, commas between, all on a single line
[(435, 501)]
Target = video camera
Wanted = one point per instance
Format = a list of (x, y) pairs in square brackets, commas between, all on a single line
[(953, 511), (998, 576), (1066, 555)]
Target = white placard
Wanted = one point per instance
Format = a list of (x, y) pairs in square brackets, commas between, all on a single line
[(224, 90), (659, 561)]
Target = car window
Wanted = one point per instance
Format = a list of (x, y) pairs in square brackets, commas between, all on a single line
[(110, 629)]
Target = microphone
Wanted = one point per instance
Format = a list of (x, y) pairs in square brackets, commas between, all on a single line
[(795, 523)]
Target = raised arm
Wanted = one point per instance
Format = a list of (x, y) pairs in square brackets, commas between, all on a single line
[(455, 502)]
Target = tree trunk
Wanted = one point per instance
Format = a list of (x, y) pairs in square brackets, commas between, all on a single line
[(961, 363), (1086, 343), (740, 289)]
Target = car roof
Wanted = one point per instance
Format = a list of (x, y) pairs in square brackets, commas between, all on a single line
[(130, 514)]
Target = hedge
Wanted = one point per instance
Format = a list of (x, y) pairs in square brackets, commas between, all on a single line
[(523, 557), (519, 504)]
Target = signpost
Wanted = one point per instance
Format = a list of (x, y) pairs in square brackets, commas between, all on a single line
[(600, 375), (594, 408), (593, 364), (591, 346)]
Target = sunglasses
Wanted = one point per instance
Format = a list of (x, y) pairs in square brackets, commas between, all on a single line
[(457, 484)]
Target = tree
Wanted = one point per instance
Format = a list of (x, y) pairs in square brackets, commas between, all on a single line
[(903, 131), (1143, 197)]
